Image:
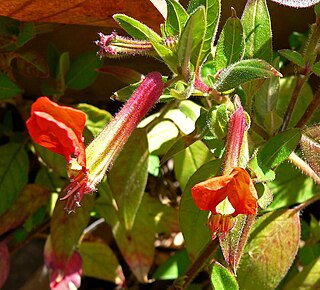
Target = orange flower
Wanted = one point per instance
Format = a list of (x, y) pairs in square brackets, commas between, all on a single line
[(225, 197)]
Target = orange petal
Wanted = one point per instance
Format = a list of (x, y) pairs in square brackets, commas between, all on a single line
[(209, 193)]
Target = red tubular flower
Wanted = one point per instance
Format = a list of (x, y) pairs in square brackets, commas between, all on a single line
[(225, 197), (58, 128)]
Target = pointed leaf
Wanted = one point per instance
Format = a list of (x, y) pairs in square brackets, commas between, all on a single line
[(222, 279), (14, 166), (297, 3), (293, 56), (4, 263), (193, 221), (8, 88), (272, 246), (316, 68), (257, 27), (230, 46), (66, 229), (278, 148), (32, 64), (176, 18), (190, 41), (82, 72), (242, 72), (99, 261), (29, 201), (135, 28), (128, 176)]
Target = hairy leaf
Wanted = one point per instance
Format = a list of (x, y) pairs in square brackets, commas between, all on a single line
[(176, 18)]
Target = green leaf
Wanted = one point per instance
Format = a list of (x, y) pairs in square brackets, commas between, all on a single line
[(189, 160), (135, 28), (230, 46), (82, 71), (190, 41), (257, 29), (293, 56), (99, 261), (193, 221), (222, 279), (32, 64), (218, 120), (124, 74), (14, 165), (242, 72), (27, 32), (66, 229), (97, 119), (304, 98), (272, 246), (278, 149), (316, 68), (307, 279), (174, 267), (32, 197), (8, 88), (176, 18), (128, 176), (137, 245), (290, 187)]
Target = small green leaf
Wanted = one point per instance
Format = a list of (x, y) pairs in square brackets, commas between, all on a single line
[(32, 64), (135, 28), (8, 88), (278, 148), (218, 120), (193, 221), (14, 166), (97, 119), (176, 18), (293, 56), (174, 267), (316, 68), (99, 261), (128, 176), (222, 279), (272, 246), (242, 72), (190, 41), (82, 72), (27, 32), (257, 29), (230, 46)]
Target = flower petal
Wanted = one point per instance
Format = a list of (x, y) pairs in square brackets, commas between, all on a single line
[(209, 193), (242, 193), (58, 128)]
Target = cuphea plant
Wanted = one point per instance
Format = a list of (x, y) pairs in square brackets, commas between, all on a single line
[(227, 125)]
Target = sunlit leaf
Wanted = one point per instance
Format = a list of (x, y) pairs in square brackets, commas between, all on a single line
[(176, 18), (222, 279), (257, 28), (297, 3), (99, 261), (128, 176), (230, 46), (242, 72), (14, 166), (293, 56), (272, 246)]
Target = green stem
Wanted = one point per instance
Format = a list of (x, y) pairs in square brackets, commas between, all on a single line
[(304, 167), (201, 261)]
